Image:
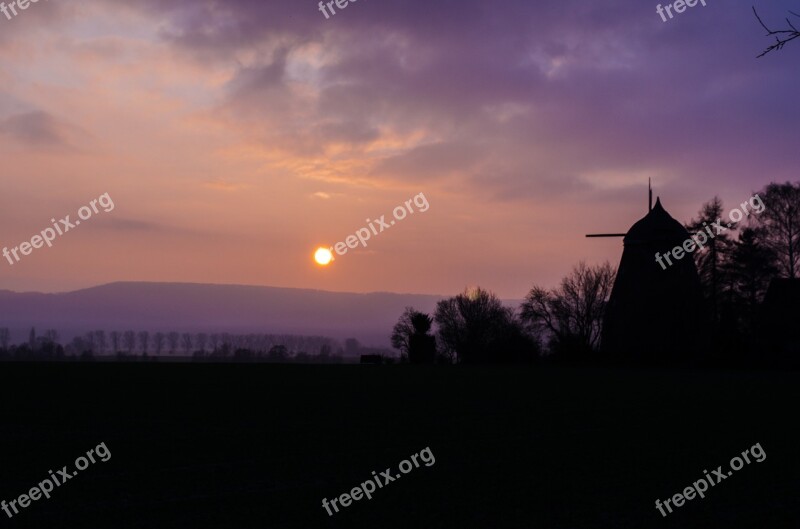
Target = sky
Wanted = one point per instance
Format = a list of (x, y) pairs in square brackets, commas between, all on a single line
[(234, 138)]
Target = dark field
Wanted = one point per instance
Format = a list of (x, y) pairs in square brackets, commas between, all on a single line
[(235, 446)]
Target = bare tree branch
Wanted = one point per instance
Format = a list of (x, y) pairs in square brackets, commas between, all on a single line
[(782, 36)]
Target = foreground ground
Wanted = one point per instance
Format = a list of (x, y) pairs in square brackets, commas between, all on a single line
[(239, 446)]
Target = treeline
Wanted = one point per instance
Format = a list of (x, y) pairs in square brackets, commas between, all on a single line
[(131, 345), (738, 267), (564, 323)]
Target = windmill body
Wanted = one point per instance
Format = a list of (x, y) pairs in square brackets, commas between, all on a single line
[(654, 315)]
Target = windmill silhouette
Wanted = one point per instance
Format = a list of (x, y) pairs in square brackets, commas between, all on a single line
[(654, 315)]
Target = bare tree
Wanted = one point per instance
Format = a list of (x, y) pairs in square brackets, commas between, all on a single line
[(779, 224), (573, 312), (129, 339), (187, 343), (200, 340), (51, 335), (100, 341), (214, 342), (403, 330), (116, 336), (91, 342), (782, 36), (5, 336), (144, 341), (173, 338), (158, 342)]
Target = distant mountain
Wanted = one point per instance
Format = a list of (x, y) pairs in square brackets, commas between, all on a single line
[(194, 307)]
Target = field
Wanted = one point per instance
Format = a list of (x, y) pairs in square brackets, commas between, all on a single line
[(239, 446)]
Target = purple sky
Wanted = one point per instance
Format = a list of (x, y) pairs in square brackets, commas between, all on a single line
[(235, 137)]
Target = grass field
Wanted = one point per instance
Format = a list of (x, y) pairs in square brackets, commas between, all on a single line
[(235, 446)]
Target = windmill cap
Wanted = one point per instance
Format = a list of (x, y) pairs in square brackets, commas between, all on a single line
[(656, 226)]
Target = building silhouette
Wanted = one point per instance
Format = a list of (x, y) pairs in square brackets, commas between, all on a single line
[(655, 313)]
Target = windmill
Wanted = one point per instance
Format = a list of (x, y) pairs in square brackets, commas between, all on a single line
[(654, 314)]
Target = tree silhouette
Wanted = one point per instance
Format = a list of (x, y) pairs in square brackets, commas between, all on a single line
[(144, 342), (115, 341), (402, 331), (173, 338), (158, 342), (475, 327), (411, 336), (187, 343), (99, 339), (782, 36), (278, 353), (780, 225), (711, 258), (129, 341), (200, 341), (91, 342), (5, 336), (571, 314), (750, 268), (51, 335)]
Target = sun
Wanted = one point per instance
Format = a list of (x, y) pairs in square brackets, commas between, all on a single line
[(323, 256)]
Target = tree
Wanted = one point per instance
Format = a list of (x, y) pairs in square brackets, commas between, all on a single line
[(571, 314), (100, 341), (201, 340), (278, 353), (782, 36), (129, 340), (158, 342), (711, 258), (411, 336), (325, 351), (48, 347), (91, 342), (780, 224), (173, 338), (80, 346), (116, 337), (402, 331), (475, 327), (751, 267), (32, 339), (5, 336), (144, 342), (187, 343), (214, 342)]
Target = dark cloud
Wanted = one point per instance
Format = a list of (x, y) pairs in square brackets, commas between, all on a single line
[(112, 221), (600, 87)]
